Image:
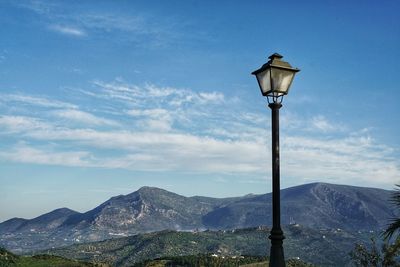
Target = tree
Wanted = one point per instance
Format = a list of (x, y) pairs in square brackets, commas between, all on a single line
[(385, 256), (394, 226), (389, 252), (365, 257)]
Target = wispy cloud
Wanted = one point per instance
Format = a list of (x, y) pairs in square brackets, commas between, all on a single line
[(153, 113), (111, 22), (214, 97), (176, 97), (175, 129), (149, 151), (3, 55), (68, 30), (314, 124), (19, 124), (352, 159), (86, 118), (160, 119), (23, 99), (321, 123), (38, 6), (26, 154), (131, 26)]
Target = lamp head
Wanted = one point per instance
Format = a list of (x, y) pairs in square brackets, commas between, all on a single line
[(275, 77)]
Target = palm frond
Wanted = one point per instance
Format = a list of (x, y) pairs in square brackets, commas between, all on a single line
[(392, 228), (395, 198)]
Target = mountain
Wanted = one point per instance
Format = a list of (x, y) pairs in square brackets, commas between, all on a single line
[(46, 222), (147, 209), (11, 225), (318, 205), (320, 247)]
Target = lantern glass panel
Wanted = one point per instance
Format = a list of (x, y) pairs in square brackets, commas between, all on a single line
[(264, 81), (281, 80)]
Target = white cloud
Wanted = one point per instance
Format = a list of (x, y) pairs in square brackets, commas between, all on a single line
[(68, 30), (133, 28), (355, 160), (209, 136), (342, 160), (321, 123), (145, 151), (18, 124), (314, 124), (26, 154), (211, 97), (111, 22), (154, 113), (39, 7), (157, 150), (150, 93), (83, 117), (35, 101), (156, 119), (156, 124)]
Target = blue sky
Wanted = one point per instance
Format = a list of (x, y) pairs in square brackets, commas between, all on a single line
[(100, 98)]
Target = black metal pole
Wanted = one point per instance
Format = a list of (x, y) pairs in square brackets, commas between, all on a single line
[(277, 258)]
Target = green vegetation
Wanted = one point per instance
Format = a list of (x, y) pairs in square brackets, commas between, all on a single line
[(215, 261), (388, 252), (394, 225), (297, 263), (134, 249), (320, 247), (202, 260), (8, 259), (375, 256)]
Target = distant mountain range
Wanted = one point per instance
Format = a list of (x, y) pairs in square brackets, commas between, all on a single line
[(318, 205)]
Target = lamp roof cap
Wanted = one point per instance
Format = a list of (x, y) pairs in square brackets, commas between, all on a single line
[(275, 62), (275, 55)]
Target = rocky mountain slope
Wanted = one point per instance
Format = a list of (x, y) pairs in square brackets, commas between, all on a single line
[(319, 205), (48, 221), (314, 205), (147, 209)]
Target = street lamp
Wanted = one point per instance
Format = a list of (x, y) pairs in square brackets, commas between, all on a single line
[(274, 79)]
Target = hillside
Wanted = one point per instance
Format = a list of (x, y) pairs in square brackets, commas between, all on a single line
[(204, 260), (48, 221), (8, 259), (314, 205), (320, 247), (318, 205), (212, 261), (147, 209)]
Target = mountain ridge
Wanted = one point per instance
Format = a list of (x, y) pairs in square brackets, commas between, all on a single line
[(205, 197), (150, 209)]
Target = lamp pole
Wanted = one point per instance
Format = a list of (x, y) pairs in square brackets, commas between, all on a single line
[(277, 257), (274, 79)]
